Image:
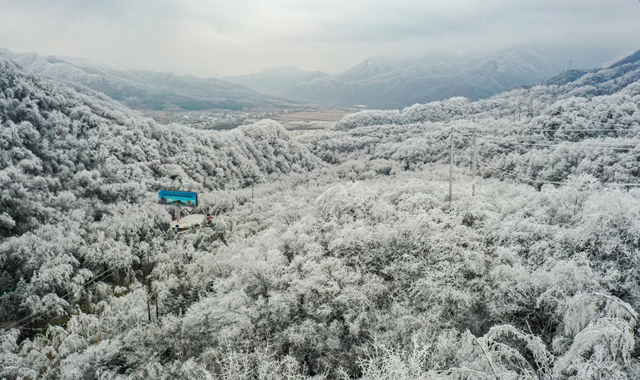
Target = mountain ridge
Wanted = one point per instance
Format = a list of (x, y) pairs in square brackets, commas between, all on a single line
[(385, 82), (626, 69), (145, 89)]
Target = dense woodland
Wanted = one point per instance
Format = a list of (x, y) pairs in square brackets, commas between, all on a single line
[(540, 134), (332, 255)]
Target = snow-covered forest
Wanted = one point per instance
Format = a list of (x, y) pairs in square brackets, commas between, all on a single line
[(335, 254)]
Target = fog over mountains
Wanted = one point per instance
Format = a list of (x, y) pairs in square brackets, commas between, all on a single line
[(145, 89), (385, 82), (276, 81)]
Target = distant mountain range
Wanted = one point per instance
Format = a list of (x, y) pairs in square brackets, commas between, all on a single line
[(385, 82), (144, 89), (378, 82)]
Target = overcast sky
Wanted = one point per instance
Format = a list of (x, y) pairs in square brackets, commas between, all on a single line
[(217, 38)]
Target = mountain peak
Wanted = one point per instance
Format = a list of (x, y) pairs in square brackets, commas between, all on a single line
[(371, 67)]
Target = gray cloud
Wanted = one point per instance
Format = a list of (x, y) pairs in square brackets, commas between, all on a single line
[(232, 37)]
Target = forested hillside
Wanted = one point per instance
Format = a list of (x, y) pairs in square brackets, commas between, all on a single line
[(344, 260), (62, 149), (588, 125)]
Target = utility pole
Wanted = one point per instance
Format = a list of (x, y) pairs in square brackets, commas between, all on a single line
[(149, 301), (473, 165), (451, 168), (629, 171)]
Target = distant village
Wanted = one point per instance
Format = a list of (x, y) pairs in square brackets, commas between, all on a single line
[(216, 119)]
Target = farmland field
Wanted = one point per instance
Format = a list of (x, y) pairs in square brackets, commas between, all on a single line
[(311, 119)]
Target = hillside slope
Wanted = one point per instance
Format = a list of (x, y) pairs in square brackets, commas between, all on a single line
[(62, 146), (581, 122)]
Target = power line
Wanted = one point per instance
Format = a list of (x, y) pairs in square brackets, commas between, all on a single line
[(33, 316), (582, 130), (505, 171), (443, 136), (511, 174), (590, 141), (621, 147)]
